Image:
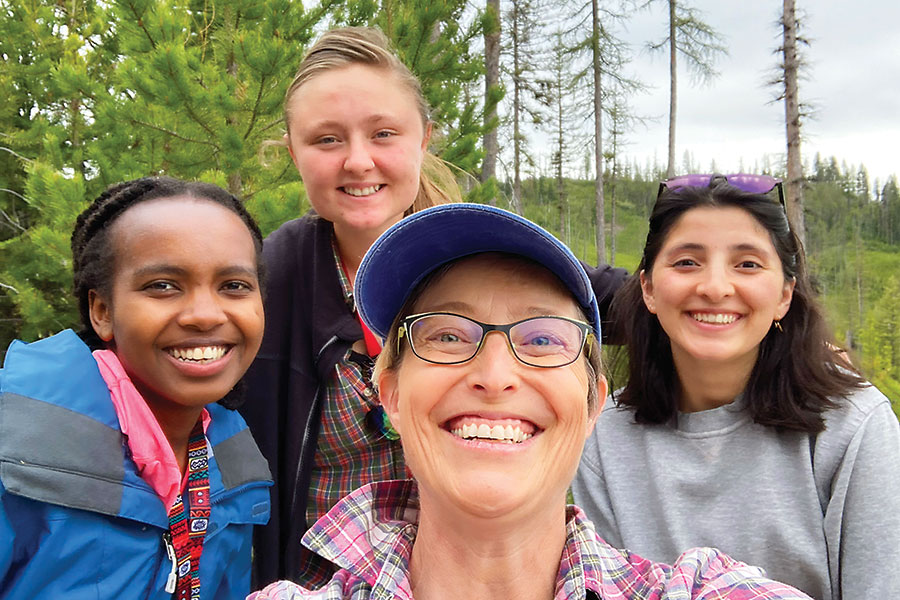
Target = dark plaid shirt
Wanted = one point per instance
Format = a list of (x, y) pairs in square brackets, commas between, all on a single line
[(352, 450)]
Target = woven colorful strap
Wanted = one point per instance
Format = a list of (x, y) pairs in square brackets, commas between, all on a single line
[(189, 530)]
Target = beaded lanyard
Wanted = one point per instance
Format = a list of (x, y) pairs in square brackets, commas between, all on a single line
[(188, 531)]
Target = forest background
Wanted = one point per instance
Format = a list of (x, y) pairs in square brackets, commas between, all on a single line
[(99, 91)]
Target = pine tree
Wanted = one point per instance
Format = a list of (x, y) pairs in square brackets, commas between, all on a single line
[(51, 78), (890, 202), (106, 91), (691, 37), (52, 74), (598, 60), (199, 89), (880, 338), (528, 91), (621, 120), (597, 87), (560, 91), (36, 271)]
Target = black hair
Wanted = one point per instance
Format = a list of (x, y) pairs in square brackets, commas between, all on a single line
[(798, 371), (93, 258)]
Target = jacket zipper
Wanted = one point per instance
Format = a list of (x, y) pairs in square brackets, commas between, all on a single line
[(308, 427), (172, 580)]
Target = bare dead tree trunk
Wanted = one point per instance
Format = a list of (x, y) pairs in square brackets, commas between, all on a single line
[(561, 197), (599, 200), (794, 188), (699, 44), (673, 88), (859, 276), (517, 110), (612, 220), (491, 80), (560, 155)]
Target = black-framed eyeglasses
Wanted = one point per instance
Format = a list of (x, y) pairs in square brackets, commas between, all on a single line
[(449, 339), (753, 184)]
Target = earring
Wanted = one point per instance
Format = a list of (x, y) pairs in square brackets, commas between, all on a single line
[(777, 323), (382, 423)]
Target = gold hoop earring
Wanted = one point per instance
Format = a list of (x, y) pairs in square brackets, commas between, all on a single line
[(777, 323)]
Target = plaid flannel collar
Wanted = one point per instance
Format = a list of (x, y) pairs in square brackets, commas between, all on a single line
[(371, 533), (346, 287)]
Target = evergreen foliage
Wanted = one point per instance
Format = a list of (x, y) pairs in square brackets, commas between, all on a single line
[(99, 91), (104, 91), (36, 272)]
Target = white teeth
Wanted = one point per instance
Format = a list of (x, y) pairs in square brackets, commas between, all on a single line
[(200, 353), (718, 318), (366, 191), (508, 434)]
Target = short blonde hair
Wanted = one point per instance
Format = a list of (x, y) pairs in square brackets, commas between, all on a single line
[(368, 46)]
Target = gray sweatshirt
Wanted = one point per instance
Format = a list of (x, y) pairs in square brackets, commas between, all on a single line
[(821, 512)]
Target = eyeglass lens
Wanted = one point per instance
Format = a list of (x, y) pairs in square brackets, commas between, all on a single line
[(541, 341)]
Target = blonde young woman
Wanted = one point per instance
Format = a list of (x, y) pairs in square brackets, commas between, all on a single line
[(358, 129)]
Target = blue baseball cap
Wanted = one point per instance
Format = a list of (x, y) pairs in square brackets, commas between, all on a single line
[(411, 249)]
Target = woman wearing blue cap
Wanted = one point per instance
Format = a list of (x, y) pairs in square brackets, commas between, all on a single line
[(491, 375)]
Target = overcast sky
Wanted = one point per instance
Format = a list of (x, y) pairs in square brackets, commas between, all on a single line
[(853, 82)]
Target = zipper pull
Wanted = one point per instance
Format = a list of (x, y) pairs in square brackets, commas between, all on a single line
[(172, 580)]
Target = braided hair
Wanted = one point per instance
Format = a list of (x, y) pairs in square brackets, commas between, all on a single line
[(93, 257)]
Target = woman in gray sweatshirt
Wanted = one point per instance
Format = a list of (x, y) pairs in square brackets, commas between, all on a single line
[(740, 426)]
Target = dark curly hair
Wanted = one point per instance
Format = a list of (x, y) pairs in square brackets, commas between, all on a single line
[(93, 259), (798, 373)]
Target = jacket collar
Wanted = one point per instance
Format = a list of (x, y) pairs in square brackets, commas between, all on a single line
[(43, 428), (335, 325)]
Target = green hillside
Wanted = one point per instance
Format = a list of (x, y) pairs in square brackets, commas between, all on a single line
[(853, 247)]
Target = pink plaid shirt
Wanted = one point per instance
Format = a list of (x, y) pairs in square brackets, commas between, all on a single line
[(370, 534)]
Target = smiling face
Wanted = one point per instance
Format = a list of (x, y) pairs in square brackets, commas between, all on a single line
[(358, 139), (448, 415), (716, 286), (185, 314)]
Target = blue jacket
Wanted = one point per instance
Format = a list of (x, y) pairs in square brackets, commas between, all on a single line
[(76, 519)]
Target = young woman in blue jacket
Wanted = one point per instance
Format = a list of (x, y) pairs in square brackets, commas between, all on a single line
[(124, 473)]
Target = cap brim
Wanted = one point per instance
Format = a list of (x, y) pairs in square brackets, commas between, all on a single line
[(411, 249)]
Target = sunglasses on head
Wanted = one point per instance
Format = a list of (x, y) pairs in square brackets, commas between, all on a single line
[(752, 184)]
